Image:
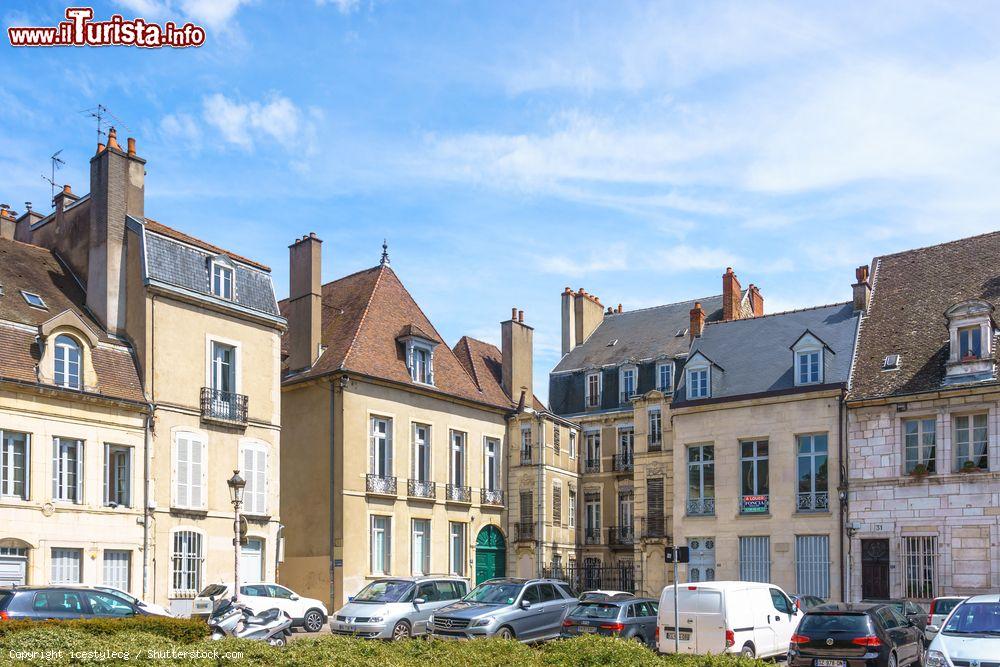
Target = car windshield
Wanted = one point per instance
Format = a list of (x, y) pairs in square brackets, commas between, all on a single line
[(974, 618), (122, 594), (855, 624), (944, 606), (385, 591), (591, 610), (495, 592)]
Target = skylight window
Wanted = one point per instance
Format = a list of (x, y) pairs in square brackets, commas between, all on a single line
[(34, 300), (891, 362)]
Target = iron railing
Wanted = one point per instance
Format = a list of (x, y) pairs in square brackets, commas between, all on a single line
[(416, 488), (624, 576), (592, 465), (592, 535), (621, 536), (625, 398), (818, 501), (655, 442), (622, 463), (593, 402), (223, 406), (524, 531), (491, 497), (654, 527), (457, 493), (701, 507), (379, 484)]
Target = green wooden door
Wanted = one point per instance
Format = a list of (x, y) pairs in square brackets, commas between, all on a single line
[(491, 554)]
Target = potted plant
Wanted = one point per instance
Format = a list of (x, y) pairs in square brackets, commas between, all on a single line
[(969, 466), (920, 470)]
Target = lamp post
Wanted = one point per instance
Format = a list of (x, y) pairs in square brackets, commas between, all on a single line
[(236, 487)]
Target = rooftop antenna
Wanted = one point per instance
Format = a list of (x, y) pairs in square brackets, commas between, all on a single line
[(57, 163), (102, 113)]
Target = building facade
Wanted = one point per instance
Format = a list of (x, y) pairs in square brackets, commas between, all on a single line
[(924, 425), (199, 328)]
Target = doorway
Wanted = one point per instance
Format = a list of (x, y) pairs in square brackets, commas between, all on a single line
[(875, 569), (491, 554)]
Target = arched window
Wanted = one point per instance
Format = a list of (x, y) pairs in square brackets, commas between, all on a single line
[(67, 362)]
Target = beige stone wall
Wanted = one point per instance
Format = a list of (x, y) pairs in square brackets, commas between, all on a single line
[(652, 463), (779, 420)]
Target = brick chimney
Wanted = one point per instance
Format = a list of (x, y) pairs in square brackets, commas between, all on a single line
[(117, 189), (8, 223), (589, 314), (568, 321), (516, 341), (22, 230), (732, 293), (697, 321), (756, 300), (862, 289), (305, 301)]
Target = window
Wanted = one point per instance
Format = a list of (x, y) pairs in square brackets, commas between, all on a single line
[(754, 477), (593, 453), (920, 441), (592, 510), (755, 559), (254, 459), (701, 479), (15, 457), (189, 471), (572, 509), (421, 544), (527, 507), (627, 382), (556, 436), (33, 300), (655, 430), (526, 446), (420, 361), (188, 560), (457, 458), (222, 281), (919, 567), (655, 523), (593, 390), (108, 606), (117, 475), (117, 569), (67, 356), (66, 566), (665, 377), (380, 544), (971, 450), (67, 470), (698, 383), (626, 442), (812, 565), (780, 602), (556, 504), (813, 493), (970, 343), (626, 504), (380, 447), (491, 464), (457, 548), (421, 452), (572, 444), (223, 368), (809, 366)]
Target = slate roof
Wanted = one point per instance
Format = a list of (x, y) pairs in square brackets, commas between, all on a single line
[(642, 334), (484, 362), (911, 292), (177, 259), (755, 354), (363, 316), (38, 270)]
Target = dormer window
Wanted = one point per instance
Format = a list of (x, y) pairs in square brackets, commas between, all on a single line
[(67, 362), (222, 280), (970, 343), (970, 338), (627, 380), (420, 367), (808, 367), (698, 383), (593, 390), (665, 376), (419, 351), (808, 354)]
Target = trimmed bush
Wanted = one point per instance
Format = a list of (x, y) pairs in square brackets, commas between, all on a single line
[(182, 630)]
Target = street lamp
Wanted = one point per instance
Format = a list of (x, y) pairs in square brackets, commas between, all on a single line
[(236, 487)]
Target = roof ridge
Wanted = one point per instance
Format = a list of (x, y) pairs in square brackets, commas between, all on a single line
[(667, 305), (940, 245), (207, 246), (361, 320), (781, 312)]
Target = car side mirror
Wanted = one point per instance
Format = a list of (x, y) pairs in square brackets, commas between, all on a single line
[(293, 597), (419, 601), (525, 604), (932, 628)]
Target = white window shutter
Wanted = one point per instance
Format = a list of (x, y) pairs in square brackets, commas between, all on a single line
[(79, 472), (107, 470), (27, 467), (371, 446), (388, 449), (388, 545), (55, 468), (199, 475), (181, 472), (262, 480)]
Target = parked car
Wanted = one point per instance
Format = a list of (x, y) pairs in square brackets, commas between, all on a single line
[(622, 616), (839, 634), (744, 617), (396, 607), (603, 595), (970, 634), (807, 602), (940, 608), (63, 603), (306, 613), (147, 607), (908, 609), (523, 609)]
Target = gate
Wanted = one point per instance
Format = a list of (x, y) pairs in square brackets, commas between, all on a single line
[(592, 575)]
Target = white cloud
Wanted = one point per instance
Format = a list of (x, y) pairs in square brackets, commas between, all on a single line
[(181, 127), (215, 14), (343, 6), (244, 123)]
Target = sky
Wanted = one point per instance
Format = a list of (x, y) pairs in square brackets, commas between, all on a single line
[(507, 150)]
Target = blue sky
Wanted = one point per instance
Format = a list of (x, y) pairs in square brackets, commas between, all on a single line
[(507, 150)]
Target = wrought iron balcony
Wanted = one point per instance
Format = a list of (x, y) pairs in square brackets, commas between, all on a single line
[(818, 501), (593, 402), (491, 497), (625, 398), (458, 494), (655, 442), (621, 536), (592, 535), (524, 531), (223, 406), (416, 488), (654, 527), (701, 507), (383, 486), (592, 465), (622, 463), (526, 456)]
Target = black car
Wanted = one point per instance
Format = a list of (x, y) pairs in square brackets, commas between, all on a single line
[(908, 609), (614, 616), (856, 635), (62, 603)]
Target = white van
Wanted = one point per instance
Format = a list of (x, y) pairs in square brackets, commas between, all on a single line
[(742, 617)]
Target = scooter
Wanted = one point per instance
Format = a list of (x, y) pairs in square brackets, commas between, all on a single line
[(232, 619)]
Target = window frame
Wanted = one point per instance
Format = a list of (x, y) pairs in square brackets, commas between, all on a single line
[(260, 506), (385, 555), (970, 338), (61, 475), (113, 494), (630, 371), (813, 456), (971, 429), (491, 481), (201, 483), (191, 561), (421, 473), (421, 370), (699, 382), (593, 388), (571, 507), (426, 542), (760, 485), (921, 434), (8, 469), (58, 554), (669, 386), (572, 444), (63, 347), (457, 471), (217, 275), (457, 548), (28, 296), (700, 464), (380, 463), (654, 435)]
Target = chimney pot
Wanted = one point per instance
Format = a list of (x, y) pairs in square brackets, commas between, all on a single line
[(131, 147), (697, 320), (513, 313), (100, 147), (619, 308), (862, 290), (68, 190), (113, 138), (520, 316)]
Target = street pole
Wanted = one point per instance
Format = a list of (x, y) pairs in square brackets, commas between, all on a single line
[(236, 550), (677, 625)]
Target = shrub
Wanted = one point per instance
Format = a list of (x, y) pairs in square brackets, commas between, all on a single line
[(183, 630)]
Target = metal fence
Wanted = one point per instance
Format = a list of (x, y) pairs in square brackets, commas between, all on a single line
[(624, 576)]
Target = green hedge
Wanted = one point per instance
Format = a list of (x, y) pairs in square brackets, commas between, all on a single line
[(51, 644), (183, 630)]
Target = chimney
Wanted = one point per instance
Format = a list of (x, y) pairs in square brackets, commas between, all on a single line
[(8, 223), (516, 339), (22, 228), (568, 321), (732, 294), (756, 300), (589, 313), (117, 189), (697, 320), (305, 301), (862, 289)]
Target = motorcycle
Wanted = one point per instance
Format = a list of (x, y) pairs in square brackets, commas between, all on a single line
[(232, 619)]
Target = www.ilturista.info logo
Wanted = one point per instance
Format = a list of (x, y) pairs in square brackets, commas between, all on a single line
[(80, 30)]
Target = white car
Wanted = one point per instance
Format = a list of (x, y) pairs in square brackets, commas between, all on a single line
[(260, 596), (969, 636)]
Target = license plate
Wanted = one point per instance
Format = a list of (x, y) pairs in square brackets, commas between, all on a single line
[(685, 636), (586, 628), (830, 663)]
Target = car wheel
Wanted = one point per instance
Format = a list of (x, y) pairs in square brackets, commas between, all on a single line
[(892, 660), (748, 652), (277, 641), (505, 633), (921, 655), (401, 631), (313, 621)]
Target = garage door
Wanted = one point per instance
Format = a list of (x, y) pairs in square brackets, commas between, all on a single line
[(13, 570)]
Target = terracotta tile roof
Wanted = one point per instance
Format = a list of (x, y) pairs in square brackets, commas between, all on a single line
[(911, 292), (484, 362), (363, 316), (160, 228), (39, 271)]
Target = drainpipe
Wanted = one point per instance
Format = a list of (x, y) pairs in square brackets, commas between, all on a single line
[(842, 491), (146, 515), (540, 521), (332, 520)]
